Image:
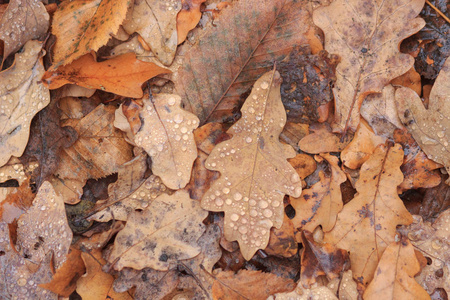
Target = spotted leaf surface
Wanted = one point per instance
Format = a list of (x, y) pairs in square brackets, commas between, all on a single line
[(22, 96), (166, 135), (254, 172), (84, 25)]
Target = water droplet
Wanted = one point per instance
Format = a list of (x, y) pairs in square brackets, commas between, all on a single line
[(234, 217), (275, 203), (295, 178), (179, 174), (185, 137), (243, 229), (160, 147), (21, 281), (253, 213), (252, 202), (178, 118), (228, 201), (251, 110), (263, 204), (225, 190), (177, 137), (171, 101), (441, 134), (264, 85), (183, 130), (248, 139), (237, 196), (267, 213)]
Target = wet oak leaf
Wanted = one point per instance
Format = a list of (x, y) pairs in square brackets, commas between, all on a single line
[(22, 96), (429, 127), (188, 18), (16, 202), (394, 278), (282, 242), (367, 224), (84, 25), (166, 135), (164, 233), (122, 75), (366, 36), (22, 21), (322, 140), (246, 40), (156, 23), (255, 174), (247, 284)]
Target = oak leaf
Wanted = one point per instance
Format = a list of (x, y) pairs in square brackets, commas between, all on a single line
[(322, 140), (429, 127), (164, 233), (22, 21), (367, 224), (166, 135), (282, 241), (22, 96), (156, 23), (12, 170), (301, 293), (16, 202), (247, 38), (394, 278), (84, 25), (122, 75), (255, 175), (188, 18), (366, 37)]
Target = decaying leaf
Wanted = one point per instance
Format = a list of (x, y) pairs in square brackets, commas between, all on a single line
[(156, 22), (166, 135), (394, 278), (429, 127), (122, 75), (12, 171), (366, 37), (248, 37), (22, 96), (82, 26), (22, 21), (255, 175), (16, 202), (247, 284), (367, 224), (322, 140), (282, 241), (188, 18), (164, 233)]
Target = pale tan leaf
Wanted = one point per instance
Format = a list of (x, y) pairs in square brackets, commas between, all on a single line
[(255, 175), (166, 135), (164, 233), (367, 224), (366, 36), (429, 127), (22, 96), (300, 293), (322, 140), (348, 289)]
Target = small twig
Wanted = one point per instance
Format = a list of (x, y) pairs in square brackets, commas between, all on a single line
[(438, 11)]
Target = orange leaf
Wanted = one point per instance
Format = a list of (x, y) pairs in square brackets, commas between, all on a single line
[(188, 17), (122, 75)]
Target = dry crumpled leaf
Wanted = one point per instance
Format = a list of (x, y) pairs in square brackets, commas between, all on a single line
[(394, 278), (366, 37), (247, 38), (320, 204), (164, 233), (96, 284), (255, 175), (156, 22), (429, 127), (82, 26), (122, 75), (22, 96), (367, 224), (247, 284), (22, 21), (322, 140), (188, 18), (166, 135)]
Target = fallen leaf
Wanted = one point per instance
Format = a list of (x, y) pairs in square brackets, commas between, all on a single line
[(428, 126), (246, 40), (71, 190), (348, 289), (322, 140), (85, 25), (255, 175), (304, 164), (21, 22), (366, 37), (301, 293), (292, 133), (282, 241), (156, 23), (188, 18), (367, 224), (22, 96), (166, 135), (164, 233), (320, 204), (248, 284), (16, 202), (96, 284), (122, 75), (410, 79), (394, 278)]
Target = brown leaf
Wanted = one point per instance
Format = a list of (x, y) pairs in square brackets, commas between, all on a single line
[(96, 284), (292, 133), (394, 278), (254, 172), (122, 75), (16, 203), (22, 96), (82, 26), (282, 241), (367, 224), (429, 126), (248, 37), (366, 37), (166, 135), (410, 79), (247, 284), (188, 18), (161, 235), (21, 22), (321, 140), (304, 164), (156, 23)]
